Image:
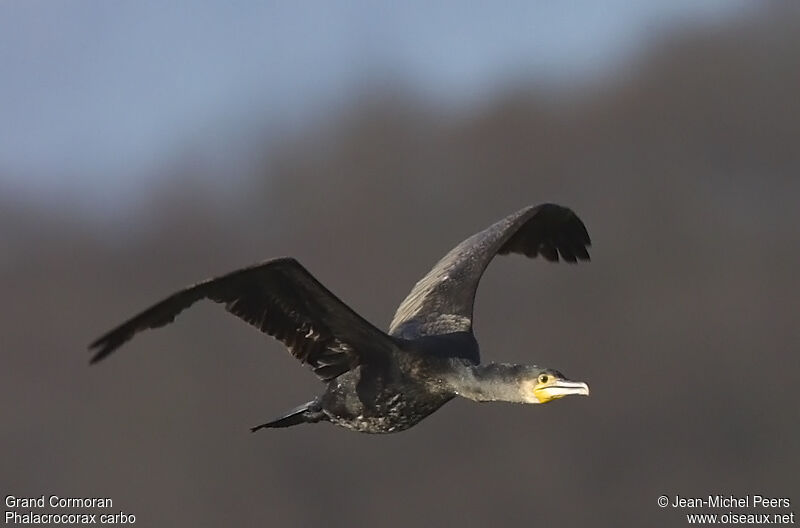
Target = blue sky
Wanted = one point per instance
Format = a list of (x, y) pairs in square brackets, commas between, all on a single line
[(98, 95)]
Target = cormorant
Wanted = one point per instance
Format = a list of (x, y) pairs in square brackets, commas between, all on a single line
[(379, 382)]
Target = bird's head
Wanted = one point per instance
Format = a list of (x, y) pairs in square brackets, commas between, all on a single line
[(542, 385), (515, 383)]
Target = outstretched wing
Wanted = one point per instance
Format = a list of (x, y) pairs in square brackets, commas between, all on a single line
[(441, 303), (281, 298)]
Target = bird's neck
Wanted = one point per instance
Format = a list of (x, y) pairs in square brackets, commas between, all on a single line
[(490, 382)]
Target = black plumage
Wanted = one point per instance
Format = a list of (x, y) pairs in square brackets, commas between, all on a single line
[(384, 382)]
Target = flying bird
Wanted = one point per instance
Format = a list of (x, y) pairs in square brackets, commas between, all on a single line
[(385, 382)]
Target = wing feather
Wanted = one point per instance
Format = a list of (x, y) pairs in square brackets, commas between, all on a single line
[(282, 299), (442, 301)]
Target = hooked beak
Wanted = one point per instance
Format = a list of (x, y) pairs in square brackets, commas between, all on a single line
[(558, 388)]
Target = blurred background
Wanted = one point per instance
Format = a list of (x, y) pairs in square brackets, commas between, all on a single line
[(144, 146)]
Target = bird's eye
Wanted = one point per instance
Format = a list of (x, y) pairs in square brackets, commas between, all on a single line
[(543, 378)]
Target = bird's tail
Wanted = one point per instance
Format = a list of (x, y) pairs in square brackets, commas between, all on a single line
[(308, 412)]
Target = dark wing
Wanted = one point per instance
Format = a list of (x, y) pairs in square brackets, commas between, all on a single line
[(441, 303), (281, 298)]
